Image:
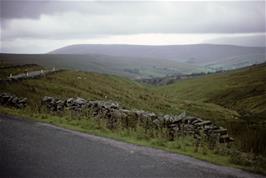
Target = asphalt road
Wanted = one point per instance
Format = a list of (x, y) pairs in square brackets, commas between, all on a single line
[(32, 149)]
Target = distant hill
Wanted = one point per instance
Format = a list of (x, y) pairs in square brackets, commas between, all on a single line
[(135, 68), (139, 61), (213, 56)]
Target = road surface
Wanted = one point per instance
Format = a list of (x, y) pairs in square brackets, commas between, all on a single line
[(32, 149)]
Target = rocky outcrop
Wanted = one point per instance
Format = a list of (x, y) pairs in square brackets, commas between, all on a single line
[(12, 100), (111, 111)]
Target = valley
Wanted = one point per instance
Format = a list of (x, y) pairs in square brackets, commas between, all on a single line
[(233, 99), (132, 89)]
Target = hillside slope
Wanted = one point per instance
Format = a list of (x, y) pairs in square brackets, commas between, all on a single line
[(233, 99), (241, 90), (219, 96)]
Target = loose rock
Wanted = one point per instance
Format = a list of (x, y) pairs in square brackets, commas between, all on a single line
[(12, 100)]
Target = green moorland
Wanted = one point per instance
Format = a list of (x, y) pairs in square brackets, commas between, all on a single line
[(243, 91), (233, 99)]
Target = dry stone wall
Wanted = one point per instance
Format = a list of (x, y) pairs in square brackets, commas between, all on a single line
[(12, 100), (28, 75), (113, 113)]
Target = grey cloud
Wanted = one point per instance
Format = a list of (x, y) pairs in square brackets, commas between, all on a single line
[(34, 9), (25, 22), (150, 17)]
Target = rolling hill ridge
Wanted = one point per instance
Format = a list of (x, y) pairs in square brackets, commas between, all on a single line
[(211, 55), (141, 62), (134, 68)]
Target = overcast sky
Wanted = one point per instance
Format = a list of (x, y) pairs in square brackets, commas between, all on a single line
[(41, 26)]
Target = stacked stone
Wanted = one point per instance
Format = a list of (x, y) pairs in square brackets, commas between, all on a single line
[(12, 100), (76, 104), (53, 104), (112, 112), (106, 109)]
